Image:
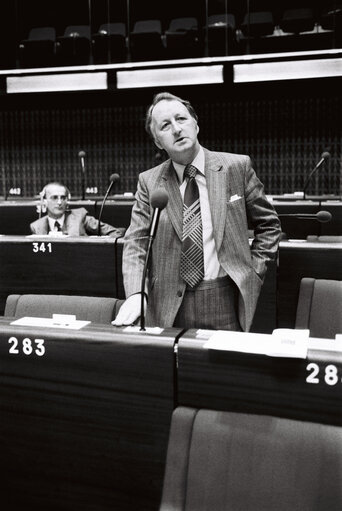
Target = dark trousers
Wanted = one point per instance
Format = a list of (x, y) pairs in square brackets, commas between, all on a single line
[(213, 305)]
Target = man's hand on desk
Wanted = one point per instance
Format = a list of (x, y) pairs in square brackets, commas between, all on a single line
[(130, 310)]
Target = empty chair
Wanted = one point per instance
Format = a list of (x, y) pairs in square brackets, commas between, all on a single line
[(319, 307), (109, 43), (224, 460), (221, 34), (298, 20), (73, 48), (146, 40), (38, 50), (258, 24), (182, 38), (86, 308)]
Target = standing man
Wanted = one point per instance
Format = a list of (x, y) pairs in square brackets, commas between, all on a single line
[(61, 220), (203, 272)]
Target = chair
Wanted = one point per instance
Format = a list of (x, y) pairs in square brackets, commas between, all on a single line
[(225, 460), (109, 43), (38, 50), (182, 38), (319, 307), (258, 24), (221, 34), (146, 40), (86, 308), (298, 20), (73, 48)]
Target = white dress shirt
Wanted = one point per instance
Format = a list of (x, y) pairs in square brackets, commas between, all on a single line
[(212, 268), (53, 220)]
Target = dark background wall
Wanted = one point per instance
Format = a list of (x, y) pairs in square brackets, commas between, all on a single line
[(284, 127)]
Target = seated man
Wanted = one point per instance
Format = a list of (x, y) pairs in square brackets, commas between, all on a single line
[(60, 220)]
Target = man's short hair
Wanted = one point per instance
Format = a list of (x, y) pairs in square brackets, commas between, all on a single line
[(55, 183), (168, 97)]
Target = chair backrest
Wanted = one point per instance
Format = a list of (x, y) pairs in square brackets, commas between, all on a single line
[(319, 307), (219, 20), (224, 460), (86, 308), (42, 34), (80, 30), (180, 24), (113, 28), (147, 26)]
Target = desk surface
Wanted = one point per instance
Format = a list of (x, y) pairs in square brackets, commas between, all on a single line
[(84, 425)]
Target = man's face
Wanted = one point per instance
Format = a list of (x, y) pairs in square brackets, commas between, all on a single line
[(175, 130), (56, 200)]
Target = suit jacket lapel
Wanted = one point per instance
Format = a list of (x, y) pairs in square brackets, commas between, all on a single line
[(174, 206), (217, 192)]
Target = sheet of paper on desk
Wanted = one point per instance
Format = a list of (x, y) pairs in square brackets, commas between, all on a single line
[(279, 345), (50, 323)]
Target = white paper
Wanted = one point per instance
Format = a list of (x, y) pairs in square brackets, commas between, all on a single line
[(50, 323), (278, 345)]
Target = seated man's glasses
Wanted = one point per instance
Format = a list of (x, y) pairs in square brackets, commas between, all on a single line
[(55, 198)]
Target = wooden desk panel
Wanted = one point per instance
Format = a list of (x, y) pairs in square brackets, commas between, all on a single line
[(247, 383), (85, 426), (298, 260), (44, 264)]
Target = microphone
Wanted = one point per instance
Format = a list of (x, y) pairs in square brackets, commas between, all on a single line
[(324, 156), (159, 200), (81, 156), (321, 216), (114, 178)]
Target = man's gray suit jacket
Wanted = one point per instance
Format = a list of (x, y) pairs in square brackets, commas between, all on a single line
[(237, 199), (77, 222)]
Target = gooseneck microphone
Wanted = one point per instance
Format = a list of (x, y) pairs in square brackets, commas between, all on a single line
[(159, 200), (114, 178), (81, 156), (324, 156), (321, 216)]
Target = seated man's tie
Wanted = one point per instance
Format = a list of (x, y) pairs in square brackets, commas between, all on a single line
[(57, 226), (192, 262)]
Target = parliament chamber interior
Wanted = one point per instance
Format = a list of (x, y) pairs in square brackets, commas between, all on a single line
[(97, 417)]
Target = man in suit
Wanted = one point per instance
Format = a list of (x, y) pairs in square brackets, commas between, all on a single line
[(222, 292), (61, 220)]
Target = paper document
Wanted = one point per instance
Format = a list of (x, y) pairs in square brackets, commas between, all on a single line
[(73, 324), (284, 343)]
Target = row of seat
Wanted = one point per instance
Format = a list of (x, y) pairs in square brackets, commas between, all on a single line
[(318, 308), (184, 37)]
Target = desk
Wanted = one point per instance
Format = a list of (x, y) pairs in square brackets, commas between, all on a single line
[(303, 259), (44, 264), (84, 426), (248, 383)]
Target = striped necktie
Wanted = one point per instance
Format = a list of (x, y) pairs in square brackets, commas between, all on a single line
[(192, 262)]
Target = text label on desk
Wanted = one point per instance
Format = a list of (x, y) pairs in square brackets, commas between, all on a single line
[(42, 247), (26, 346), (331, 376)]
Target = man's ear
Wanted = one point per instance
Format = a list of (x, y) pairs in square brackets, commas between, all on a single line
[(197, 128), (157, 143)]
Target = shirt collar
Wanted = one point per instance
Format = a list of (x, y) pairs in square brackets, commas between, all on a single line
[(198, 162), (53, 220)]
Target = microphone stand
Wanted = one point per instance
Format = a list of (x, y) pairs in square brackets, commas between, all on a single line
[(142, 290), (113, 178)]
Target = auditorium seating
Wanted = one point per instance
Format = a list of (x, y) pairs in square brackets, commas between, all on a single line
[(86, 308), (224, 460), (319, 307), (109, 43), (182, 38), (39, 47), (73, 48), (146, 40), (221, 34)]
